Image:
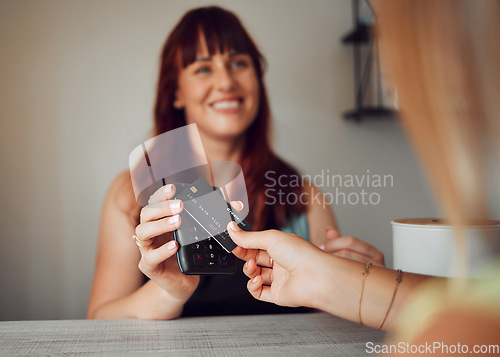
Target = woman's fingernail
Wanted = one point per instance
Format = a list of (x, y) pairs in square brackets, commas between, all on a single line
[(322, 247), (234, 227), (171, 245), (169, 188), (246, 265), (241, 205), (174, 204), (255, 279), (173, 219)]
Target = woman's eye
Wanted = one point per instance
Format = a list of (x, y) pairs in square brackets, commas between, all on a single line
[(239, 64), (203, 70)]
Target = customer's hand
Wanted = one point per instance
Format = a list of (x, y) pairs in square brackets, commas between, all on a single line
[(283, 268), (155, 240), (351, 248)]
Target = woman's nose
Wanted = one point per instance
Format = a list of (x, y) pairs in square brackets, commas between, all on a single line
[(224, 80)]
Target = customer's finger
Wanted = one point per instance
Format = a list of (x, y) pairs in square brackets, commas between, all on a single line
[(259, 291), (251, 269), (162, 194), (160, 209), (263, 259), (260, 256), (252, 240)]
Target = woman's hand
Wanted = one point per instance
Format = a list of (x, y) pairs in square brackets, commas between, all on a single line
[(154, 237), (287, 270), (351, 248), (283, 268)]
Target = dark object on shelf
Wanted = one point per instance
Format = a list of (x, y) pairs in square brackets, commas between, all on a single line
[(362, 36), (369, 112)]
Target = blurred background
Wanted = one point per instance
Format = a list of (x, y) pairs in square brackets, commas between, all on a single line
[(77, 86)]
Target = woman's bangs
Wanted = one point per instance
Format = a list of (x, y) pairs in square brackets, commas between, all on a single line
[(220, 33)]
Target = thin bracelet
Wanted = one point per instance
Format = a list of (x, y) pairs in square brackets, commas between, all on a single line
[(365, 273), (399, 277)]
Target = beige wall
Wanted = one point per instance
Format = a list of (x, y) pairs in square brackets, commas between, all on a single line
[(77, 85)]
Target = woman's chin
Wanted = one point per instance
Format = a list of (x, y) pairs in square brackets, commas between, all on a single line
[(227, 129), (228, 135)]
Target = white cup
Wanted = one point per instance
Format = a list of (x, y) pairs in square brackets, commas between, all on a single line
[(428, 246)]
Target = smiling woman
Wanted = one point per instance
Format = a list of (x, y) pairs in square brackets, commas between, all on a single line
[(219, 92), (211, 74)]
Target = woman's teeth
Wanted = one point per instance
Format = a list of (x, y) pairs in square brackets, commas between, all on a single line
[(226, 104)]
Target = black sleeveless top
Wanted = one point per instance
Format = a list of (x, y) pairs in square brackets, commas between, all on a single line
[(218, 295), (228, 295)]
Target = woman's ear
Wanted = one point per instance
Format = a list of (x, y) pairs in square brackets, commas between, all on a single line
[(178, 102)]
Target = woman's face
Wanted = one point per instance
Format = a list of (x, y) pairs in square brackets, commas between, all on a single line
[(220, 93)]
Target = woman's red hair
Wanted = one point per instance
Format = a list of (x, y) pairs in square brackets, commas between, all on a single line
[(222, 32)]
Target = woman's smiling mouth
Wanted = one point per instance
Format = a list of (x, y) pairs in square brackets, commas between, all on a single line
[(227, 104)]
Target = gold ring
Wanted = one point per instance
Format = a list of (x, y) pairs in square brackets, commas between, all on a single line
[(138, 242)]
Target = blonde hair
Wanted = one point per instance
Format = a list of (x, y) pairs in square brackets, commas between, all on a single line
[(444, 58)]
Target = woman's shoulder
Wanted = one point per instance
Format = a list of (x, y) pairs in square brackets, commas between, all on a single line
[(121, 192), (431, 300), (293, 177)]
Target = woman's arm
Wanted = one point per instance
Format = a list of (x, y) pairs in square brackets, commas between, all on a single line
[(324, 232), (149, 302), (319, 215), (118, 290), (288, 271)]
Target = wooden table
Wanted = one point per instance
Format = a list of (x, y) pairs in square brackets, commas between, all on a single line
[(311, 334)]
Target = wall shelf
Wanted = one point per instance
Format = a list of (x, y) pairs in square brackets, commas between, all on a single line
[(363, 40), (370, 112)]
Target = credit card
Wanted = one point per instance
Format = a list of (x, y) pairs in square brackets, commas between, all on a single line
[(206, 205)]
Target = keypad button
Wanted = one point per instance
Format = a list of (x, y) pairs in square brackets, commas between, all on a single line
[(210, 246), (212, 263), (211, 256), (198, 259), (224, 260), (196, 246)]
